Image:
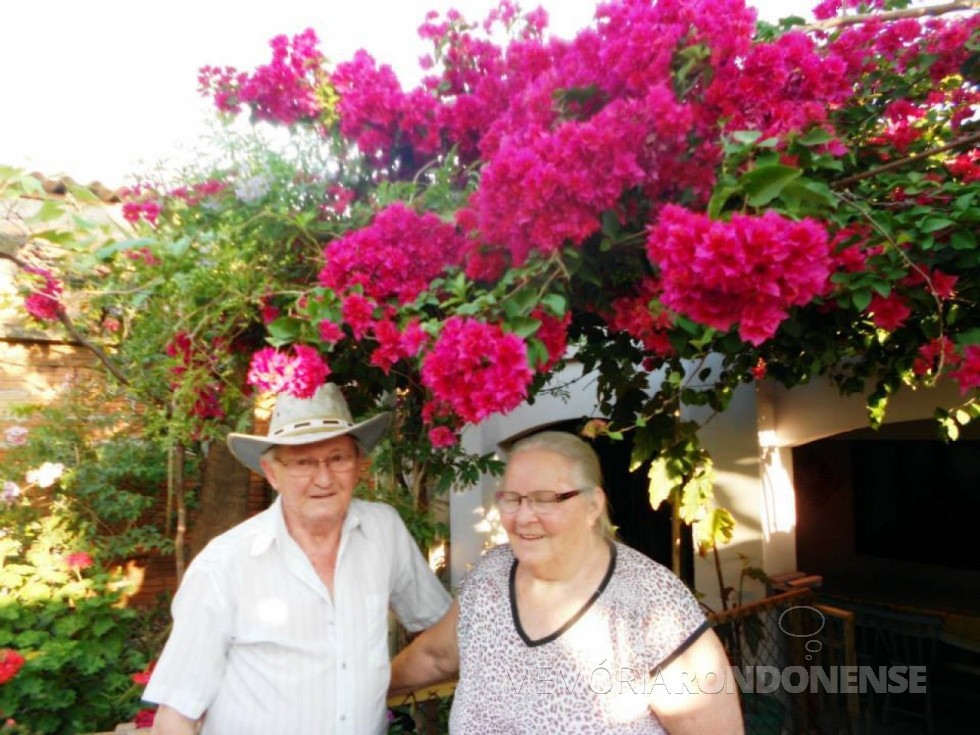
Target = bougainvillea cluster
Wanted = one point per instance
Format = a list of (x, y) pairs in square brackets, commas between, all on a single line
[(286, 90), (395, 257), (675, 180), (44, 300), (299, 371), (617, 144), (748, 271), (475, 369)]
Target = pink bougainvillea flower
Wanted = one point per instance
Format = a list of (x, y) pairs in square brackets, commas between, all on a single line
[(933, 354), (967, 375), (553, 333), (748, 271), (638, 316), (79, 560), (476, 369), (299, 374), (329, 331), (46, 475), (358, 312), (394, 257), (888, 313), (44, 301), (10, 664), (442, 436)]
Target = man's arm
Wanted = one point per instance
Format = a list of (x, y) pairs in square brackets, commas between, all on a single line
[(431, 658), (695, 694), (169, 721)]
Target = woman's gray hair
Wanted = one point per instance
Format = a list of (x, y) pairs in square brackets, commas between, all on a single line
[(584, 462)]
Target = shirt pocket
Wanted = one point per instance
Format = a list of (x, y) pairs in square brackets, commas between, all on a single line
[(376, 629)]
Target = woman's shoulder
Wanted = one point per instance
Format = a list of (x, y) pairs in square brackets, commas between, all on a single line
[(636, 571), (492, 567)]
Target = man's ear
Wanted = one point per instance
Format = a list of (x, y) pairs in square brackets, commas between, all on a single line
[(269, 470)]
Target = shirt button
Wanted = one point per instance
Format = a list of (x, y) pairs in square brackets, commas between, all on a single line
[(343, 718), (343, 666)]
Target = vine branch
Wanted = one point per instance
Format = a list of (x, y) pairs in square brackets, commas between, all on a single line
[(77, 336), (850, 20), (892, 165)]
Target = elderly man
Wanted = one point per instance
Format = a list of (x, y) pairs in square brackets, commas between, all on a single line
[(280, 624)]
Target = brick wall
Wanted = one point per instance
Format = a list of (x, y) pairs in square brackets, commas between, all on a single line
[(33, 372)]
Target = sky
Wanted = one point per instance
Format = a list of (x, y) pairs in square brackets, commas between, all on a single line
[(103, 90)]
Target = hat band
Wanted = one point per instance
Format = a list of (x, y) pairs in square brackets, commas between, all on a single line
[(304, 427)]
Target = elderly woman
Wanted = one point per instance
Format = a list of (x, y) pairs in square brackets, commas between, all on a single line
[(565, 630)]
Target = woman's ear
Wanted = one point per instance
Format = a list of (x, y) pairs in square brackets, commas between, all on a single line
[(597, 504)]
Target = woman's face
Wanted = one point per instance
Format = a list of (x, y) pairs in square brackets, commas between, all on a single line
[(549, 539)]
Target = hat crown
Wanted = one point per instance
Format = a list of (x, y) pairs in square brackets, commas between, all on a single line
[(327, 403)]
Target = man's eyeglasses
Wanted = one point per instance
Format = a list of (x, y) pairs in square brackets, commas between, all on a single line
[(541, 502), (306, 467)]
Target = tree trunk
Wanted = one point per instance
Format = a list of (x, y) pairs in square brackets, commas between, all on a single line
[(223, 501)]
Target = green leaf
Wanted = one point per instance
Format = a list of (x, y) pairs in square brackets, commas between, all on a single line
[(661, 482), (964, 203), (809, 190), (523, 326), (861, 299), (555, 303), (968, 337), (719, 198), (747, 136), (963, 240), (49, 211), (883, 288), (714, 529), (284, 330), (83, 194), (765, 183), (934, 224), (817, 136)]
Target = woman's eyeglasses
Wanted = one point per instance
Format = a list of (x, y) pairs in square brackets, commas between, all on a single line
[(541, 502)]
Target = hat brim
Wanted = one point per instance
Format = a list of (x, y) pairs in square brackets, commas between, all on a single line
[(248, 448)]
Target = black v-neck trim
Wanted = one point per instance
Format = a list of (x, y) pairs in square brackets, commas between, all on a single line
[(574, 619)]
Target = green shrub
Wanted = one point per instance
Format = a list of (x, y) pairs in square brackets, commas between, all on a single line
[(60, 610)]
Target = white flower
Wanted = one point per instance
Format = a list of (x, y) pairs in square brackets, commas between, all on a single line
[(253, 189), (15, 435), (46, 475)]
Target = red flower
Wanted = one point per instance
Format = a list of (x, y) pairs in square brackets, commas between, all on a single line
[(442, 436), (889, 313), (143, 677), (476, 369), (749, 270), (10, 663), (79, 560), (968, 374), (145, 717)]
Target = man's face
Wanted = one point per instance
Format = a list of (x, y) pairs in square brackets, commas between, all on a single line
[(316, 481)]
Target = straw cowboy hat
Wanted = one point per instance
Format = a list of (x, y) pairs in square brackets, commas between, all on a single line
[(297, 421)]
